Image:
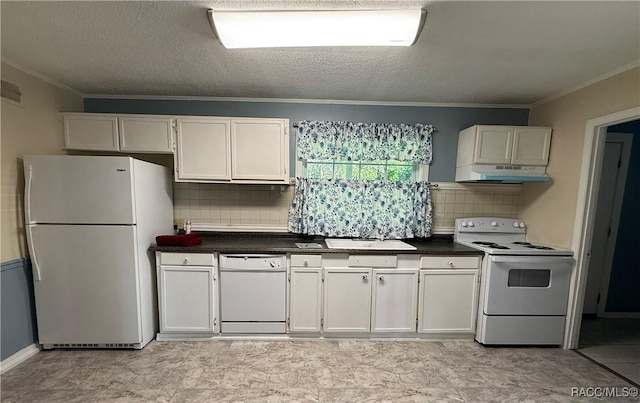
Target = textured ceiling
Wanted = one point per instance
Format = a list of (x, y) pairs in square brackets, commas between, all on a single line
[(469, 52)]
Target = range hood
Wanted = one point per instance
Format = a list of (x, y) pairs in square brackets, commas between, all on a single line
[(501, 173)]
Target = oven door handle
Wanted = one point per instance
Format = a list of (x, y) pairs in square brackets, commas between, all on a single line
[(533, 259)]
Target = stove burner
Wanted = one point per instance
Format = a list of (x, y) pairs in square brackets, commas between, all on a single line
[(533, 246), (539, 247), (492, 245)]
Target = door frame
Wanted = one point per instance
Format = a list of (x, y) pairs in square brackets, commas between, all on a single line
[(616, 209), (592, 154)]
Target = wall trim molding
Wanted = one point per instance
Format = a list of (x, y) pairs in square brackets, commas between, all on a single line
[(14, 264), (306, 101), (18, 358), (42, 77), (585, 84)]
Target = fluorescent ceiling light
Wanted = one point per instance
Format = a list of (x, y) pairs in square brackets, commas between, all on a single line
[(274, 29)]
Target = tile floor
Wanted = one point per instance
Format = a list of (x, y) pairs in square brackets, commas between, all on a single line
[(305, 370), (614, 343)]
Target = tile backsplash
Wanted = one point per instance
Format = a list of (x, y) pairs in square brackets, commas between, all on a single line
[(217, 206)]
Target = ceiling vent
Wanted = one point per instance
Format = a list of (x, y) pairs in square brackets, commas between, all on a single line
[(11, 92)]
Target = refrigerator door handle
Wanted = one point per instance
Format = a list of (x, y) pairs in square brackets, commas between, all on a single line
[(27, 198), (32, 252)]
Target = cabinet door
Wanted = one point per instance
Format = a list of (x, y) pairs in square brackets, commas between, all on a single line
[(202, 152), (347, 300), (259, 149), (91, 131), (305, 299), (146, 134), (493, 145), (187, 295), (531, 146), (447, 301), (395, 300)]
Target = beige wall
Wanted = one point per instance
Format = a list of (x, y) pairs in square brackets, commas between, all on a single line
[(34, 127), (549, 208)]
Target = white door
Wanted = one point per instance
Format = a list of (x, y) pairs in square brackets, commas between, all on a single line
[(305, 300), (187, 299), (258, 149), (202, 149), (395, 300), (252, 296), (78, 190), (523, 285), (86, 283), (448, 301), (531, 146), (146, 134), (347, 300), (91, 131), (610, 194), (493, 145)]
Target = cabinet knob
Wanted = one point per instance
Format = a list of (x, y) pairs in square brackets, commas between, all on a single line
[(381, 278), (364, 277), (450, 263), (306, 262), (186, 260)]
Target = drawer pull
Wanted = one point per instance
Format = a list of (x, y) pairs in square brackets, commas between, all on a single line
[(450, 263), (186, 260)]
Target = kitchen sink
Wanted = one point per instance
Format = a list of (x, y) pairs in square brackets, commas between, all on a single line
[(341, 243)]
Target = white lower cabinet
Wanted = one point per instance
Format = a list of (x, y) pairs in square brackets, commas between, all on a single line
[(347, 299), (305, 299), (448, 300), (394, 300), (187, 293)]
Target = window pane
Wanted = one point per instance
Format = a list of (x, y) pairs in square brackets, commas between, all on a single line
[(340, 171), (372, 172), (401, 173), (319, 170)]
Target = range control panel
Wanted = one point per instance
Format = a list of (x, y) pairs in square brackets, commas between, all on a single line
[(491, 224)]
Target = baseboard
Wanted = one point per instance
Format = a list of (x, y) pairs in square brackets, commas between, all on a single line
[(621, 315), (18, 358)]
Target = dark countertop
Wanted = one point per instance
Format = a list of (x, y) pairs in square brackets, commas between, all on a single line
[(254, 242)]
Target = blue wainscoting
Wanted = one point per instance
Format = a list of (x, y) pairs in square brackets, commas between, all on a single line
[(447, 120), (17, 307)]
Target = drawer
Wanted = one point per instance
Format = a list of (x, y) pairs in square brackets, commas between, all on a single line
[(187, 259), (450, 262), (306, 260), (372, 261)]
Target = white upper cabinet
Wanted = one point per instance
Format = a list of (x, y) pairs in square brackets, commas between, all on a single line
[(91, 131), (118, 133), (243, 150), (146, 134), (259, 149), (531, 146), (504, 145), (202, 150)]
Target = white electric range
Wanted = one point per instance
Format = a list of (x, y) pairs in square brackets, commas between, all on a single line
[(524, 287)]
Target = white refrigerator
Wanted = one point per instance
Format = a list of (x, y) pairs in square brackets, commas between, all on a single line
[(89, 223)]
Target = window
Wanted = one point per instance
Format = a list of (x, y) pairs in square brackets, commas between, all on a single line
[(391, 170)]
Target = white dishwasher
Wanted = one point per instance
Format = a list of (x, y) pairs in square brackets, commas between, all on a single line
[(253, 293)]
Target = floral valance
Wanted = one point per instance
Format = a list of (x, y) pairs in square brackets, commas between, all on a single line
[(360, 208), (349, 141)]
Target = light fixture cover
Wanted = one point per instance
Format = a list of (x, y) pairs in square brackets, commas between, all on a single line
[(273, 29)]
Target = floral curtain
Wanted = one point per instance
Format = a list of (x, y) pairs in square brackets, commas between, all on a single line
[(349, 208), (349, 141)]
